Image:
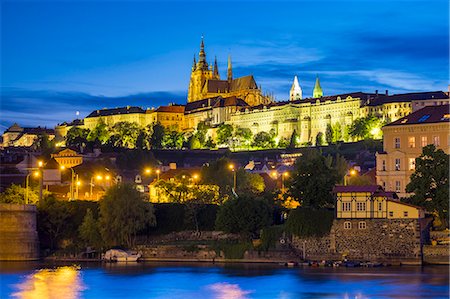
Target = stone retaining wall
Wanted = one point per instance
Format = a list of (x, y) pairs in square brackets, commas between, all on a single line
[(18, 236), (366, 239)]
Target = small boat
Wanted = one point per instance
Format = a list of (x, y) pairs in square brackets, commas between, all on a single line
[(119, 255)]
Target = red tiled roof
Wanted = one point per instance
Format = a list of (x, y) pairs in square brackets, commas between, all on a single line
[(171, 109)]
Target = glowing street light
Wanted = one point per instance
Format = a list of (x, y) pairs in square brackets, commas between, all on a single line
[(350, 173), (36, 175), (284, 175), (71, 180), (148, 171), (231, 167), (157, 173)]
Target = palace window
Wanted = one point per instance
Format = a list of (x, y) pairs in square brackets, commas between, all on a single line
[(397, 186), (346, 206), (412, 142), (397, 164), (391, 214), (347, 225), (383, 165), (362, 225), (397, 142), (436, 141), (405, 214), (360, 206), (380, 206), (424, 141), (412, 164)]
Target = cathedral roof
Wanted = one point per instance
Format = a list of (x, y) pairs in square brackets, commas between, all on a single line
[(115, 111), (216, 86), (246, 82)]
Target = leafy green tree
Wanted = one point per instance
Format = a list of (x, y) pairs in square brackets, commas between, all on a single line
[(329, 134), (339, 164), (89, 230), (17, 194), (210, 143), (143, 141), (263, 140), (365, 128), (430, 182), (99, 133), (202, 129), (52, 219), (218, 173), (283, 142), (125, 134), (173, 139), (249, 183), (337, 132), (76, 137), (194, 143), (313, 180), (243, 136), (293, 143), (319, 139), (244, 214), (304, 222), (224, 133), (157, 136), (123, 213)]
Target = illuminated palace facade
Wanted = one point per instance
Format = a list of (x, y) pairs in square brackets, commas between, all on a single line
[(241, 103)]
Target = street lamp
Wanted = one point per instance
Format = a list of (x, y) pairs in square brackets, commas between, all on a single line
[(72, 177), (350, 173), (157, 173), (231, 167), (35, 174), (148, 171), (41, 179), (283, 175)]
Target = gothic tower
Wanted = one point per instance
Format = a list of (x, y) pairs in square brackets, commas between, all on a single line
[(199, 75), (296, 91), (317, 92), (229, 70)]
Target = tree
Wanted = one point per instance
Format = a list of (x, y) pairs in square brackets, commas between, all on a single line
[(157, 136), (313, 180), (143, 141), (125, 134), (249, 183), (263, 140), (16, 194), (89, 230), (194, 143), (337, 132), (224, 133), (243, 215), (210, 143), (202, 129), (430, 182), (243, 136), (100, 133), (173, 139), (365, 128), (123, 213), (218, 173), (52, 219), (76, 137), (329, 134), (319, 139), (294, 140)]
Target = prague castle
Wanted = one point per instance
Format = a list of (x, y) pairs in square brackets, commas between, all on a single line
[(240, 102)]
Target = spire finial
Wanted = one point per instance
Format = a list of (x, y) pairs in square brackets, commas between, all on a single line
[(202, 64), (229, 70), (216, 68)]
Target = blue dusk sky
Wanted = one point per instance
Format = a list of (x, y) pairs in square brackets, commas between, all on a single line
[(63, 57)]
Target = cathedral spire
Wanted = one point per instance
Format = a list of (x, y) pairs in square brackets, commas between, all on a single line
[(216, 68), (202, 64), (194, 65), (229, 70), (317, 92), (296, 91)]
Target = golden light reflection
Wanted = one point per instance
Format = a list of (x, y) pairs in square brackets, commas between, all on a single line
[(62, 282), (225, 290)]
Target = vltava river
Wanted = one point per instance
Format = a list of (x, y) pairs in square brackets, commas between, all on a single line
[(201, 281)]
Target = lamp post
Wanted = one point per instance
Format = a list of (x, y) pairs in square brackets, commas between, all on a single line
[(41, 179), (36, 174), (231, 167), (350, 173), (71, 180), (157, 173), (97, 177)]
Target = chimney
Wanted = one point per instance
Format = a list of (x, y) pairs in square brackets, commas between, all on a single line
[(387, 92)]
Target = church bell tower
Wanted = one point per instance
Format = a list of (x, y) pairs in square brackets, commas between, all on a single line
[(201, 72)]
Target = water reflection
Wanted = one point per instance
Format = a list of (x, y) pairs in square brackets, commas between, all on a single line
[(62, 282), (225, 290)]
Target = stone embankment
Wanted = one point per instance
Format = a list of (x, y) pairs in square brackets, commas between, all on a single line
[(18, 236)]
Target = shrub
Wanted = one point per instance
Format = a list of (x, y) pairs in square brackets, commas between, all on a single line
[(304, 222)]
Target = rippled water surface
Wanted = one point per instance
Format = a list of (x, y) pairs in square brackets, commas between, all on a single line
[(35, 280)]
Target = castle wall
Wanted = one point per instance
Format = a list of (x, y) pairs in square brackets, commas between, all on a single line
[(18, 236)]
